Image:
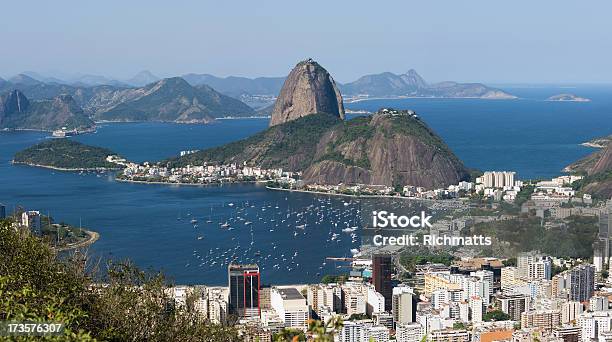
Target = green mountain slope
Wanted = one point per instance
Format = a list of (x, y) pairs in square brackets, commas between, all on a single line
[(17, 112), (65, 154)]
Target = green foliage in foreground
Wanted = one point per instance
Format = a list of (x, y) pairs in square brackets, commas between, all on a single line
[(67, 154), (133, 305), (129, 305)]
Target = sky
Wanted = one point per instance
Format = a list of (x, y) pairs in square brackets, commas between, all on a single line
[(519, 41)]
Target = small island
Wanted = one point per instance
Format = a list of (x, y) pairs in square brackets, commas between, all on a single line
[(567, 98), (68, 155)]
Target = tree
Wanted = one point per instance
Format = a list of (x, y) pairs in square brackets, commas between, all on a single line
[(289, 335), (495, 315), (322, 332), (132, 304), (458, 325)]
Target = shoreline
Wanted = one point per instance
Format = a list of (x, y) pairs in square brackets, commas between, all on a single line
[(355, 196), (189, 184), (92, 238), (65, 169)]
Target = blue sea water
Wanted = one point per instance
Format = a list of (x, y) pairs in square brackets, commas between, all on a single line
[(141, 222)]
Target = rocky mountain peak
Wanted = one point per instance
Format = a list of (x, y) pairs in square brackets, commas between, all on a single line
[(15, 102), (413, 79), (308, 89)]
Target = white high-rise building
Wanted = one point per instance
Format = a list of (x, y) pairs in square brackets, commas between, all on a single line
[(31, 220), (509, 178), (476, 287), (403, 306), (598, 303), (486, 276), (291, 307), (464, 311), (375, 302), (476, 309), (354, 300), (377, 333), (352, 332), (409, 332), (321, 296), (489, 179), (593, 323), (570, 311), (510, 277), (499, 179), (540, 269), (534, 266)]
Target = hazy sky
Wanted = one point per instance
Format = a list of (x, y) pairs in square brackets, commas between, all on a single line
[(528, 41)]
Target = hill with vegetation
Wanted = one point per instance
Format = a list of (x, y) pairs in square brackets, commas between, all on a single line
[(291, 146), (597, 171), (390, 148), (168, 100), (66, 154), (18, 112)]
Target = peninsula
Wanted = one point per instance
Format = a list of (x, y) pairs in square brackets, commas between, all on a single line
[(68, 155)]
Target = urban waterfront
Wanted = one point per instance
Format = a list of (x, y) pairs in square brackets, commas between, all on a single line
[(152, 224)]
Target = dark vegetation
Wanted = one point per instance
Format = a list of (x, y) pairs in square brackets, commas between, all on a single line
[(571, 239), (35, 285), (66, 154)]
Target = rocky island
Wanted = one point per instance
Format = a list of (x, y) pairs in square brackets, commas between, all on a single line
[(567, 98), (68, 155), (308, 135), (411, 84)]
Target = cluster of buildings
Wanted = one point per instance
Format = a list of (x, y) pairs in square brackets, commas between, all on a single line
[(499, 185), (29, 219), (556, 191), (452, 191), (472, 300), (204, 174)]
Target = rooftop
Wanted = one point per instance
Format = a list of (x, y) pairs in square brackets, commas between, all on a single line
[(290, 293)]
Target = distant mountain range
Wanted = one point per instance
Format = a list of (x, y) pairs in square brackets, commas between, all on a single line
[(18, 112), (200, 98), (411, 84), (386, 84), (167, 100)]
